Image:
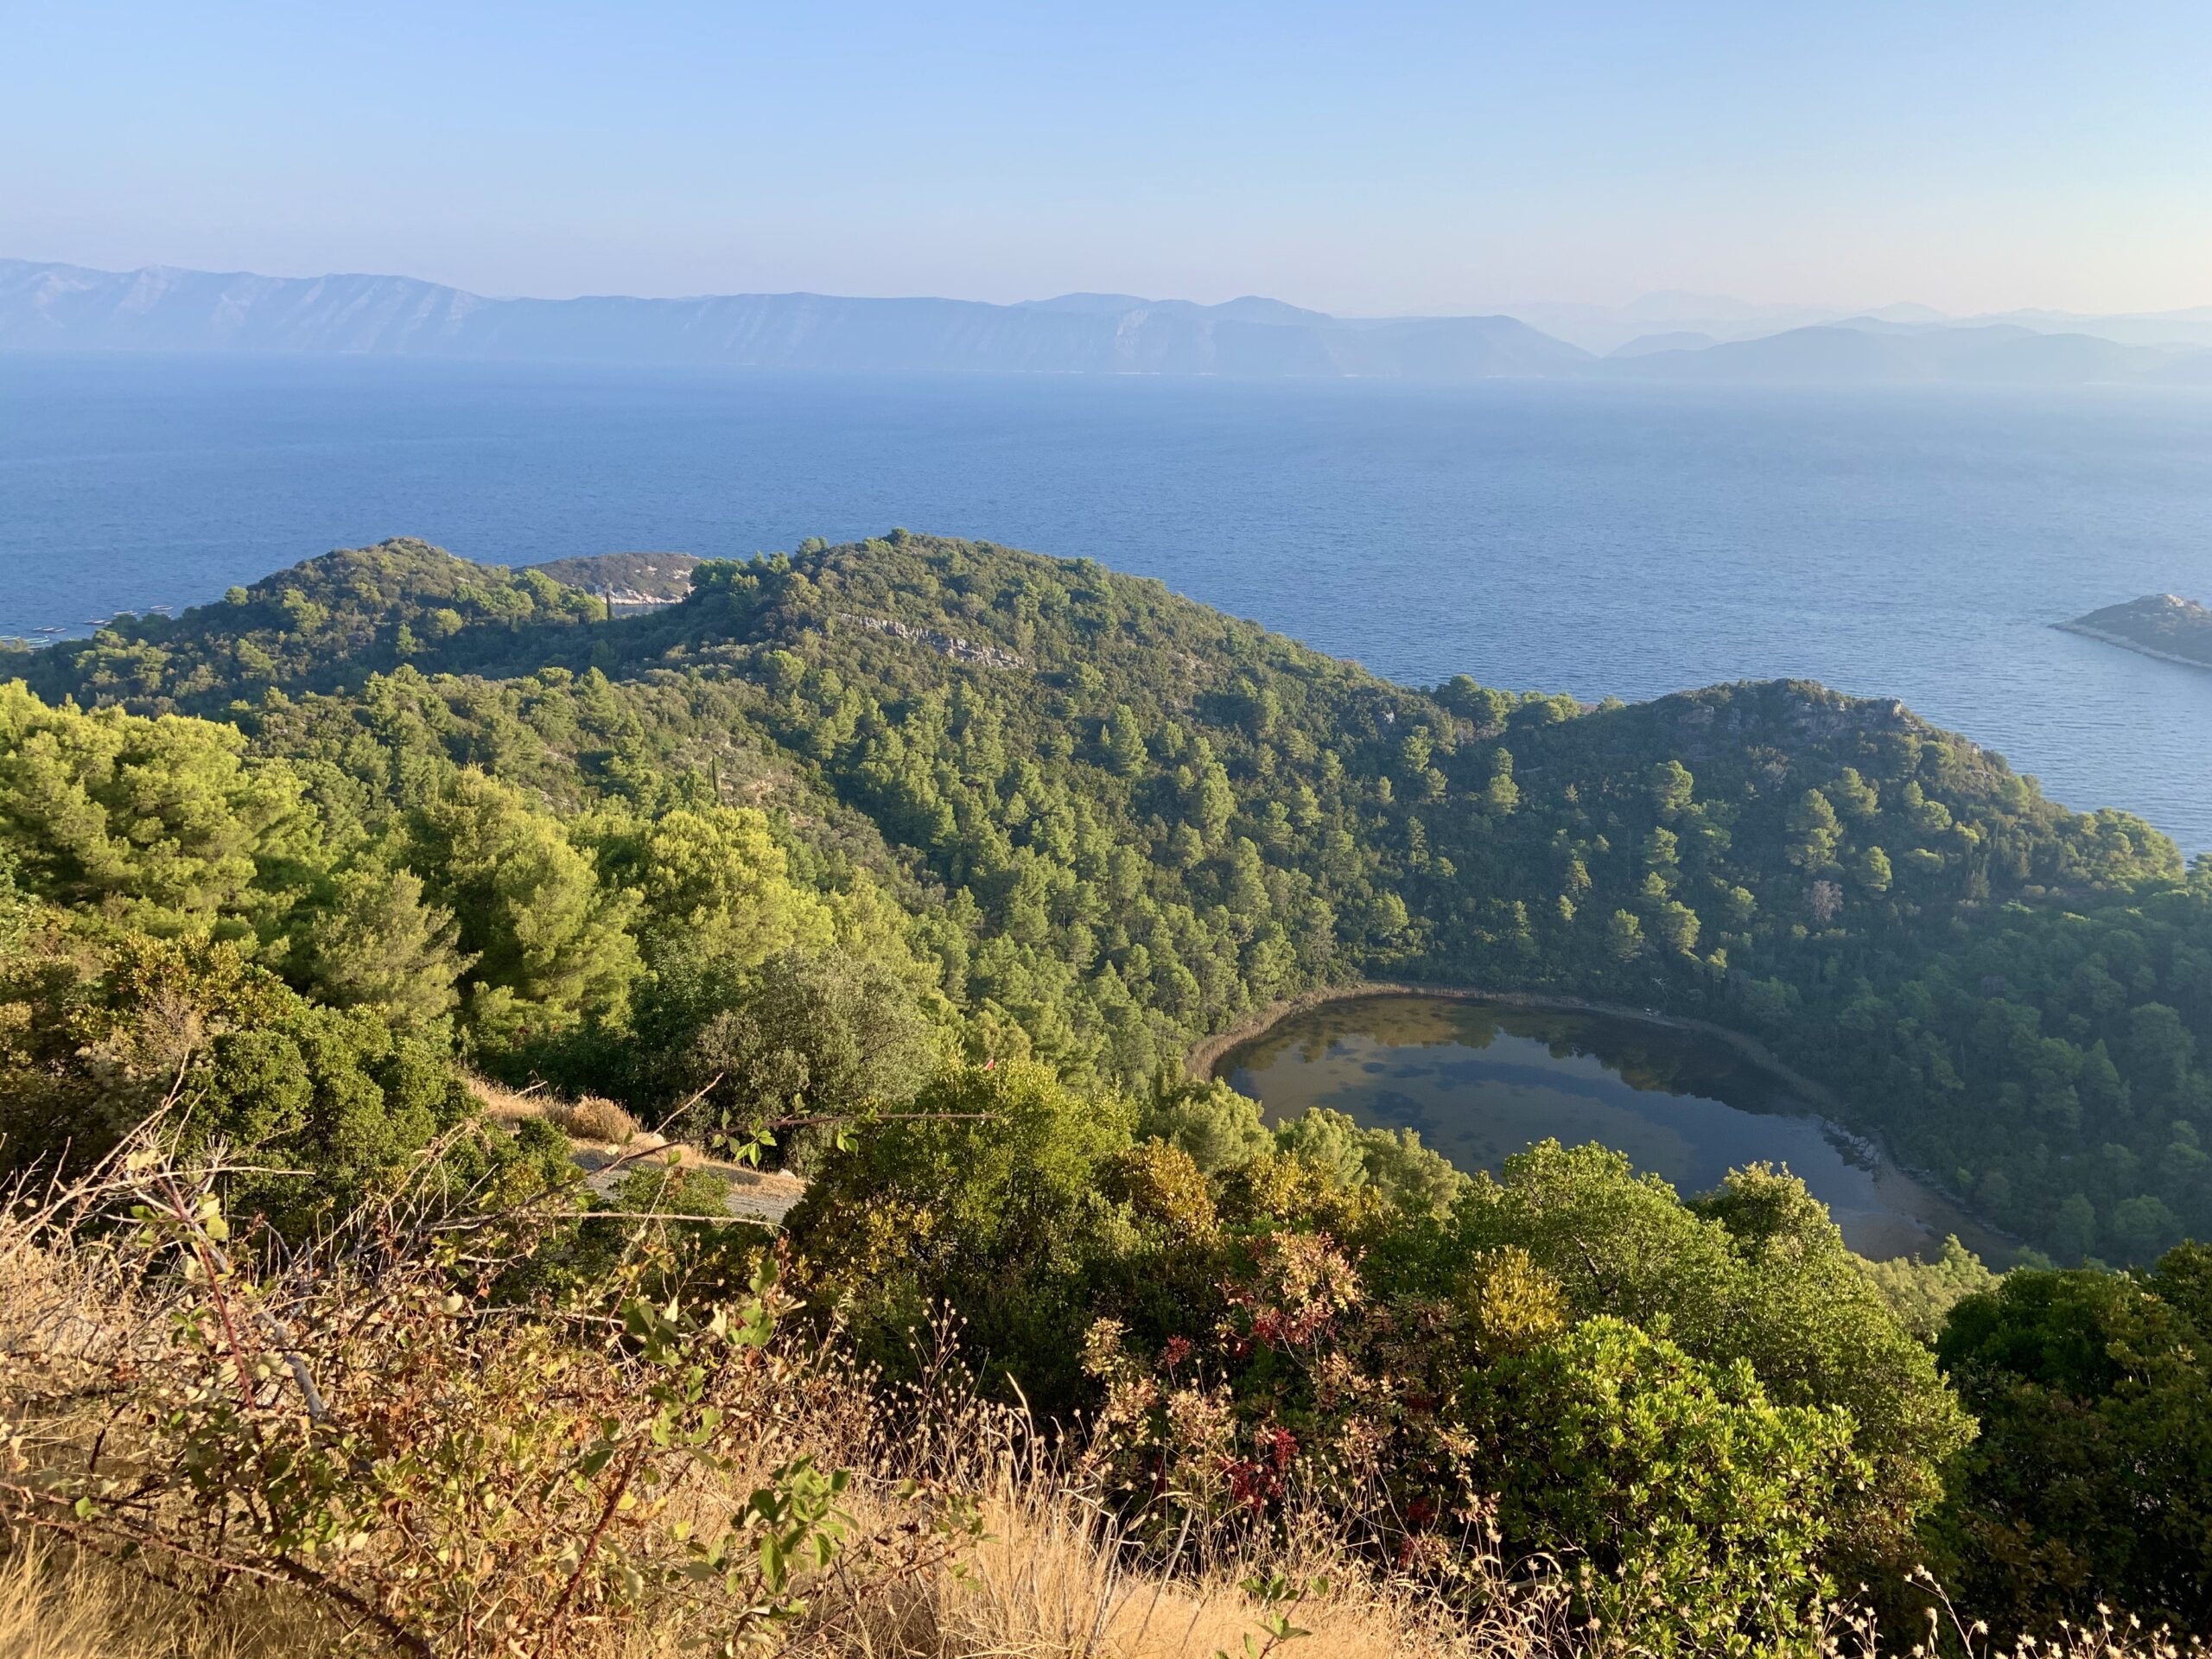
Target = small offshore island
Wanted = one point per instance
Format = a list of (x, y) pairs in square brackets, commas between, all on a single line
[(2158, 624)]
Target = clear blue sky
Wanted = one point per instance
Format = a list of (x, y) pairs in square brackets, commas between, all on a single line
[(1381, 158)]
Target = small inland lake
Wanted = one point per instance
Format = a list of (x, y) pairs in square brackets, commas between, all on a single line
[(1482, 1080)]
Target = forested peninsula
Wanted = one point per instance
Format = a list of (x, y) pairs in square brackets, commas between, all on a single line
[(918, 865)]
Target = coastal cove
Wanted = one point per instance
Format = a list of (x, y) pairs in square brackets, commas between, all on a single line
[(1482, 1075)]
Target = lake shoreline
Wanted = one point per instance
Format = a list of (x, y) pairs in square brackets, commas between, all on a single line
[(1205, 1058), (1206, 1055)]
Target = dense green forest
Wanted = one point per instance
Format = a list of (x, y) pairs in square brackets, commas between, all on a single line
[(1105, 820), (940, 828)]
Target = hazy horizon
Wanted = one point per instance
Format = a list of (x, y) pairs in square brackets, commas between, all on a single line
[(1417, 161), (1660, 304)]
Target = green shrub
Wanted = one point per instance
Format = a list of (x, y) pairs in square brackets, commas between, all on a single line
[(1694, 1512)]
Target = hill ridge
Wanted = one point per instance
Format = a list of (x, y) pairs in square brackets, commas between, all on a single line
[(61, 307), (1123, 819), (64, 306)]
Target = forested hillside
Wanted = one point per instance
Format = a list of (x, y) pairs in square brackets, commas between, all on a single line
[(1118, 820), (918, 865)]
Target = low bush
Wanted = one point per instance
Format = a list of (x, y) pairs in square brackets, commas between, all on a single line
[(440, 1469)]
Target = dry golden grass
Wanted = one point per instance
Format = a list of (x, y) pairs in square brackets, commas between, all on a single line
[(1038, 1587), (1044, 1584), (589, 1117), (611, 1144), (1048, 1582), (1047, 1576), (76, 1608), (505, 1105), (592, 1118)]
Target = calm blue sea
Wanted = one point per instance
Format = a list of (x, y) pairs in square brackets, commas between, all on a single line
[(1592, 539)]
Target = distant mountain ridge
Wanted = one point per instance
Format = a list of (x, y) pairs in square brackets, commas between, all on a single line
[(1605, 328), (1866, 350), (69, 308)]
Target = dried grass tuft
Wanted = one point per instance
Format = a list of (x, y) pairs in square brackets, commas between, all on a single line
[(60, 1606), (505, 1105), (592, 1118)]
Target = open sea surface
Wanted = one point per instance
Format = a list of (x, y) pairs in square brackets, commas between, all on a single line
[(1595, 539)]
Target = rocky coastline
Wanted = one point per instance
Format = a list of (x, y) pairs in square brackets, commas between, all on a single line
[(2163, 625)]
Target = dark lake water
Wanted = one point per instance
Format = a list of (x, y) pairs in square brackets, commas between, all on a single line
[(1483, 1081), (1594, 539)]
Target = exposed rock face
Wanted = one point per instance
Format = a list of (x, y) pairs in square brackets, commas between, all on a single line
[(960, 650), (627, 581), (1730, 717)]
